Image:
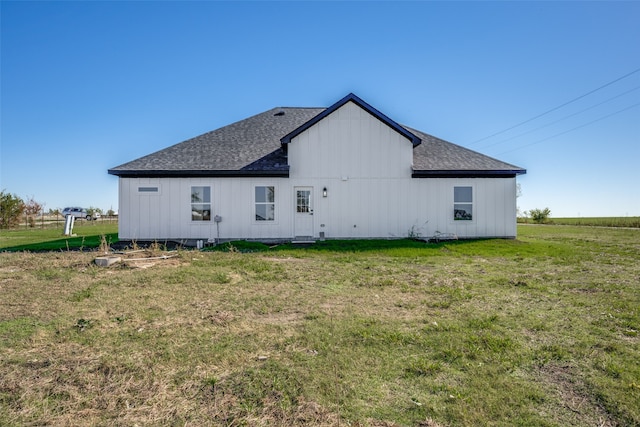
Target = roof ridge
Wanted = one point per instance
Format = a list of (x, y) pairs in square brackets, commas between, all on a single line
[(351, 97)]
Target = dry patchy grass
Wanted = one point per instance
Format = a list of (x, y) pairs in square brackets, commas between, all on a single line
[(542, 331)]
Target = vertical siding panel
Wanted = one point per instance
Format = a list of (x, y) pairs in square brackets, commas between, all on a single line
[(499, 207), (324, 161), (175, 201), (127, 212), (313, 142), (124, 205), (156, 228), (134, 212), (508, 203), (344, 217), (224, 207), (182, 207), (501, 225), (485, 200), (368, 209), (500, 213), (344, 135)]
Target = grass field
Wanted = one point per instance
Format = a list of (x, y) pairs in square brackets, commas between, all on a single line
[(538, 331), (631, 221), (627, 221)]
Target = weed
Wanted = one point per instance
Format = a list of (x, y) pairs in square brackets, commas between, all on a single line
[(422, 367), (104, 245), (83, 324), (81, 294)]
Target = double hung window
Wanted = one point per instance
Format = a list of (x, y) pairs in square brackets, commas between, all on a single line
[(265, 203), (463, 203), (200, 203)]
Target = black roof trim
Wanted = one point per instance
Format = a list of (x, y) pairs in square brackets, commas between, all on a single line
[(467, 173), (359, 102), (200, 173)]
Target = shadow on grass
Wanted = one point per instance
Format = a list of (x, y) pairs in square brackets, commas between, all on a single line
[(492, 247), (76, 243), (338, 245)]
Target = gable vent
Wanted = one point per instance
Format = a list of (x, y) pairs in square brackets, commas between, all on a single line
[(279, 113)]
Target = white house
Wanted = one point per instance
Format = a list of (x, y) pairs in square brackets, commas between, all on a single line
[(347, 171)]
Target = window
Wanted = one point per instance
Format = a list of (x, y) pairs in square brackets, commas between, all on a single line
[(200, 203), (463, 203), (265, 204), (303, 201)]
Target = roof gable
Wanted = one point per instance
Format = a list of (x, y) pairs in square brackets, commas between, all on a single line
[(359, 102)]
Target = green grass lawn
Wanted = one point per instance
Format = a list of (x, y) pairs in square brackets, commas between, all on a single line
[(87, 234), (538, 331)]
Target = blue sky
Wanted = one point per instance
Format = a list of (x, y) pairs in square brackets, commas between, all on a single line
[(86, 86)]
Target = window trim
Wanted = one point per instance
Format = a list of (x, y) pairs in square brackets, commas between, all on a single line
[(471, 203), (265, 203), (204, 203)]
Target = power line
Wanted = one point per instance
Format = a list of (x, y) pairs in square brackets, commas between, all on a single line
[(572, 129), (556, 108), (563, 118)]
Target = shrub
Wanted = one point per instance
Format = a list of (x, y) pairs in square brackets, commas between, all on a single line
[(540, 216), (11, 209)]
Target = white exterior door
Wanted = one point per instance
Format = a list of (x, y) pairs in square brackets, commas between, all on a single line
[(303, 215)]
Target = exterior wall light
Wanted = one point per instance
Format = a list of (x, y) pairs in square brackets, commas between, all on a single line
[(324, 192)]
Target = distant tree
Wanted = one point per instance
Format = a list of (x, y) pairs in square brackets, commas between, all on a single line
[(111, 213), (93, 210), (31, 210), (518, 194), (11, 209), (540, 216)]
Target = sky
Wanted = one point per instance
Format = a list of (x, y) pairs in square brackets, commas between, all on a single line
[(552, 87)]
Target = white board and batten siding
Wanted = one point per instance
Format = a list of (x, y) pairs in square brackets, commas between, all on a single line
[(365, 166), (166, 214)]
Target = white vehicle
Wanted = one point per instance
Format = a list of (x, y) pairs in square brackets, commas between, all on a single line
[(80, 213)]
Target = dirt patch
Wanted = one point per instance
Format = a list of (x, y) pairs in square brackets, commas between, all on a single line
[(580, 405), (147, 258), (288, 259), (281, 318)]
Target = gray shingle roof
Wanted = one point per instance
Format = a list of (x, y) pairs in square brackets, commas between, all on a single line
[(253, 147), (437, 157), (248, 147)]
